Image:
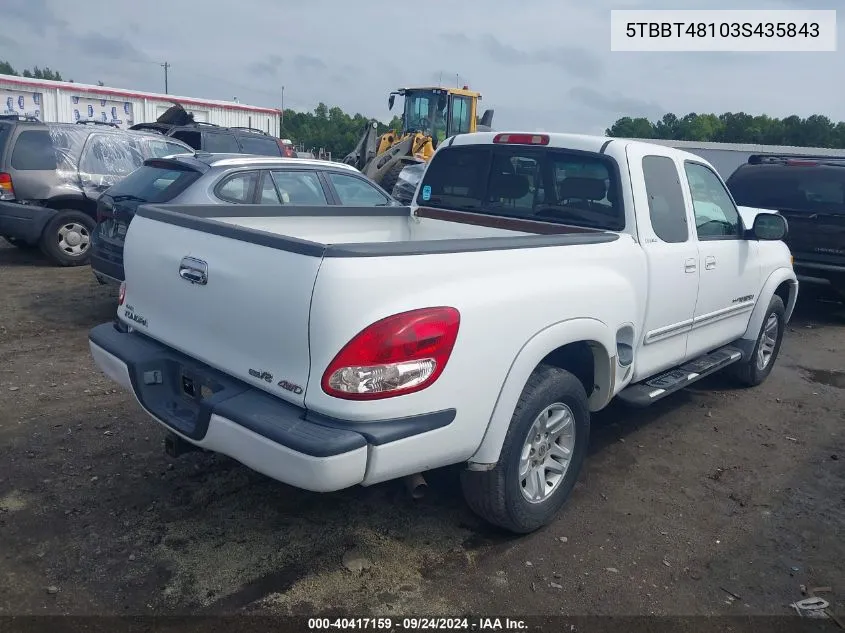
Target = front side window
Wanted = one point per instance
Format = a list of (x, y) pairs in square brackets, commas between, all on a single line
[(238, 188), (551, 185), (356, 192), (716, 216), (461, 115)]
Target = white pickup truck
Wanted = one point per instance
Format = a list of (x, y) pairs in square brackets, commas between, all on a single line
[(535, 278)]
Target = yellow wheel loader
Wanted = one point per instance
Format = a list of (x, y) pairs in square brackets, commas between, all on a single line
[(429, 117)]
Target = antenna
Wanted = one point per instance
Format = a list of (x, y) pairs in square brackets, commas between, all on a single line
[(440, 80)]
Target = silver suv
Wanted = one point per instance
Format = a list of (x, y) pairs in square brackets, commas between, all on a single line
[(51, 175), (204, 178)]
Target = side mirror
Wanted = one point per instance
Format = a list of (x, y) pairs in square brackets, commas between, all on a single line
[(390, 101), (770, 226)]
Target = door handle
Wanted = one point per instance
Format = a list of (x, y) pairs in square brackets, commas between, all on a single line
[(194, 270), (709, 262), (689, 266)]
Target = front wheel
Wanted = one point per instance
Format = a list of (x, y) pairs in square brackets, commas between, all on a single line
[(755, 369), (541, 456), (66, 239)]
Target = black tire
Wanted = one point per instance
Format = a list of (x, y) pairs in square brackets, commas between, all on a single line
[(52, 238), (497, 495), (391, 177), (752, 371)]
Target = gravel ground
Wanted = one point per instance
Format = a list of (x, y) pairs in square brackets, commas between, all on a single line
[(716, 501)]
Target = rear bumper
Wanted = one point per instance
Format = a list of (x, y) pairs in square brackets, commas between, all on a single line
[(276, 438), (24, 222), (106, 271)]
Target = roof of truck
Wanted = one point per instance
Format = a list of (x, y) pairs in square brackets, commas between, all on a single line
[(582, 142)]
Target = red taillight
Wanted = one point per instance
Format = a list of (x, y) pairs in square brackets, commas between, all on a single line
[(522, 139), (398, 355), (121, 296), (7, 191)]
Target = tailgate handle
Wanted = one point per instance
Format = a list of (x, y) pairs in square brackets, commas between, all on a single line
[(194, 270)]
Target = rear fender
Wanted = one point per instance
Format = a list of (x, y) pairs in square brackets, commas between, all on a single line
[(530, 356), (779, 276)]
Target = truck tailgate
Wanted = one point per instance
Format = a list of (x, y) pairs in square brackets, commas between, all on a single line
[(248, 318)]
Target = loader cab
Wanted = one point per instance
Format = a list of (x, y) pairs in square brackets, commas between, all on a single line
[(437, 112)]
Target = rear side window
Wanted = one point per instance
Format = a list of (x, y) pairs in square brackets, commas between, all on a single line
[(4, 136), (299, 187), (154, 183), (34, 151), (357, 192), (238, 188), (260, 145), (801, 189), (216, 142), (666, 206), (111, 155), (551, 185)]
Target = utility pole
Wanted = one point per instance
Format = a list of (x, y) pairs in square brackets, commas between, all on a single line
[(165, 65)]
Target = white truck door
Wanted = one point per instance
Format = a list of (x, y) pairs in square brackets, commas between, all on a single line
[(729, 264), (664, 227)]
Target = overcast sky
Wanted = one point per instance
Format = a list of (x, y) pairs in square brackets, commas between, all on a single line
[(542, 64)]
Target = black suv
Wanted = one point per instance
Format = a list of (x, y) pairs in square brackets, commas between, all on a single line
[(810, 192), (178, 123), (51, 175)]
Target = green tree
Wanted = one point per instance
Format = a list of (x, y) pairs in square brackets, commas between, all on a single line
[(816, 130), (36, 72)]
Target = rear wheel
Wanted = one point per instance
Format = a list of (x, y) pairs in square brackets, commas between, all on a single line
[(541, 456), (66, 239), (755, 369)]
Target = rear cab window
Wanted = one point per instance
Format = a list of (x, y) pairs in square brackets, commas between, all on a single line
[(545, 184), (157, 181), (259, 145), (796, 188)]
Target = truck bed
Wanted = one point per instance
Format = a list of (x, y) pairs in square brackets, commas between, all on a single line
[(369, 231)]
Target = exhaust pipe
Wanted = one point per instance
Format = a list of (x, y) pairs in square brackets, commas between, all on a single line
[(416, 485)]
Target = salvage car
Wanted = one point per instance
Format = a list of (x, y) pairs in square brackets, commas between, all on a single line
[(223, 179), (51, 175), (482, 325)]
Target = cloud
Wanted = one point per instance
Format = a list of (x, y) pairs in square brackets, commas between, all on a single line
[(37, 15), (306, 62), (614, 103), (268, 67), (105, 46), (577, 61)]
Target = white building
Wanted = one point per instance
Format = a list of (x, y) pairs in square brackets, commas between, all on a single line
[(67, 102)]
